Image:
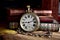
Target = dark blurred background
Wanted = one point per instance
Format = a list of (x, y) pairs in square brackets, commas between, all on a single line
[(4, 4)]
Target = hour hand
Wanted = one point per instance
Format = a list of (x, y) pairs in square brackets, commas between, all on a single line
[(31, 21), (24, 22)]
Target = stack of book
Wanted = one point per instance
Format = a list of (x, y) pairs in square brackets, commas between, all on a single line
[(44, 15)]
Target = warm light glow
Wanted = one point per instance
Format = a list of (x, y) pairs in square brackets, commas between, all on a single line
[(15, 11), (42, 11)]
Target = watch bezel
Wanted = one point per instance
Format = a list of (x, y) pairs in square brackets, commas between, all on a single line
[(37, 25)]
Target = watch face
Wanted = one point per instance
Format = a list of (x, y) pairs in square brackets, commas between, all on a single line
[(28, 22)]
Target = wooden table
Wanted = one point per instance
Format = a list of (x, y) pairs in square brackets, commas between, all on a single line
[(55, 36)]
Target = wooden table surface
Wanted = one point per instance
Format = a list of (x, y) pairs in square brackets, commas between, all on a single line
[(55, 36)]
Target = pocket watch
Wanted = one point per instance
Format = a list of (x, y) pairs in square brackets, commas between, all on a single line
[(29, 21)]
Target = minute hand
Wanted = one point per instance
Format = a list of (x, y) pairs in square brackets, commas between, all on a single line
[(31, 21)]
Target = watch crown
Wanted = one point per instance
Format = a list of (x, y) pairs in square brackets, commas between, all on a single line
[(28, 6)]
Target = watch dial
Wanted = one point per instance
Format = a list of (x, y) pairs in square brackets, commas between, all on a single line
[(28, 22)]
